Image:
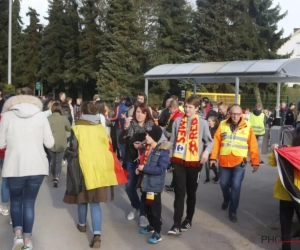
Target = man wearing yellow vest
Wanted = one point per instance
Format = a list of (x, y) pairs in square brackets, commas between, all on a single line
[(258, 123), (232, 141)]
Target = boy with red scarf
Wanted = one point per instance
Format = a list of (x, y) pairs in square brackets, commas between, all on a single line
[(153, 167), (191, 145)]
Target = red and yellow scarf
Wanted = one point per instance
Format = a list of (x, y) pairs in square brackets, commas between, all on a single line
[(187, 144), (143, 158)]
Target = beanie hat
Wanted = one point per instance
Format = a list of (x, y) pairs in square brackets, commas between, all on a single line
[(155, 132)]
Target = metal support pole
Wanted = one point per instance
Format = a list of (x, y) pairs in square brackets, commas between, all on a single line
[(237, 89), (9, 42), (278, 99), (195, 87), (146, 88)]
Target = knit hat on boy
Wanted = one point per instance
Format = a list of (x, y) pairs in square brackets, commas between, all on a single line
[(155, 132)]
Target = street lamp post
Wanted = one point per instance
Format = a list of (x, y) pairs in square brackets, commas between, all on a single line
[(9, 42)]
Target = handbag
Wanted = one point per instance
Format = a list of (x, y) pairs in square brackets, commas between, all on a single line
[(75, 179)]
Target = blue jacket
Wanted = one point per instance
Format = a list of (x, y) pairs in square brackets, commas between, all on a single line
[(155, 168)]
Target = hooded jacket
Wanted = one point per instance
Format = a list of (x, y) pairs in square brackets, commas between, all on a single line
[(155, 168), (59, 126), (24, 130)]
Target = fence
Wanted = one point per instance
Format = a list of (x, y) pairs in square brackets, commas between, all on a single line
[(268, 102)]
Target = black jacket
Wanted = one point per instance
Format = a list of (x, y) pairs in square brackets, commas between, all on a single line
[(213, 131), (164, 117), (131, 154), (289, 117)]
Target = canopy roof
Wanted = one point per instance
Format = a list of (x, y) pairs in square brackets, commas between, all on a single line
[(278, 70)]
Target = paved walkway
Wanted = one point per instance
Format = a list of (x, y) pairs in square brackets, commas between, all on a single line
[(55, 225)]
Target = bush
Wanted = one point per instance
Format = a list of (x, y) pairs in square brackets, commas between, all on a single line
[(296, 86), (8, 88)]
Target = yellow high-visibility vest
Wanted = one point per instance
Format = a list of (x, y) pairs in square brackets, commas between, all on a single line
[(235, 143), (258, 123)]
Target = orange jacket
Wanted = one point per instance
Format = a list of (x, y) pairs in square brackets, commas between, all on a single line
[(232, 160)]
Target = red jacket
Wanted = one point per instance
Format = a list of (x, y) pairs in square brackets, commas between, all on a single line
[(2, 151)]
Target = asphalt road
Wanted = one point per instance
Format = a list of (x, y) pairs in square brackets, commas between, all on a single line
[(258, 218)]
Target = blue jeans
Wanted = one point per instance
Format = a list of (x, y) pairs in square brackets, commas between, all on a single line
[(121, 147), (96, 215), (23, 193), (231, 182), (131, 188), (260, 139), (4, 188)]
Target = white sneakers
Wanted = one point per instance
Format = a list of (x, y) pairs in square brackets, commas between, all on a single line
[(28, 246), (18, 243), (133, 214), (4, 212), (143, 221)]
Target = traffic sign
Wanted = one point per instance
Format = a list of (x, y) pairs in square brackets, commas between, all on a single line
[(38, 85)]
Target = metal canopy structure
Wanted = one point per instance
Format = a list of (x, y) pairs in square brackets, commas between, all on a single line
[(261, 71)]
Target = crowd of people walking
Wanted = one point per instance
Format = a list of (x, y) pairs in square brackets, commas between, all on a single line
[(132, 144)]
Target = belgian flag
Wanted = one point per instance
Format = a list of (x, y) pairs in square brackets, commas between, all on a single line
[(288, 161)]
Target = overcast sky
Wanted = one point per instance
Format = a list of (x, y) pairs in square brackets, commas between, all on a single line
[(289, 23)]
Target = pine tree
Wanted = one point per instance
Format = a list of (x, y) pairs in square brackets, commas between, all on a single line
[(147, 20), (70, 44), (266, 20), (173, 23), (3, 40), (53, 52), (213, 35), (91, 13), (29, 60), (120, 50), (269, 39), (17, 39)]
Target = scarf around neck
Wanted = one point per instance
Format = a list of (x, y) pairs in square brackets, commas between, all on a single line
[(135, 128), (187, 144)]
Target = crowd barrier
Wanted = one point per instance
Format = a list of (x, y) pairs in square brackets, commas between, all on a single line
[(281, 135)]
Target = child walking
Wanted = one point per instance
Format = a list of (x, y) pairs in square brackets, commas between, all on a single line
[(153, 169), (213, 125)]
